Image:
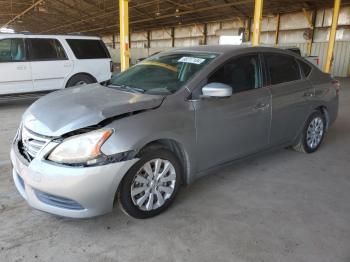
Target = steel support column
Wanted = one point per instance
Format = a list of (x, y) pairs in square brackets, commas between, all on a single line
[(257, 21), (336, 9), (124, 34)]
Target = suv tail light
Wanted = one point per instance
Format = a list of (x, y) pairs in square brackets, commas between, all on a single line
[(111, 65), (336, 85)]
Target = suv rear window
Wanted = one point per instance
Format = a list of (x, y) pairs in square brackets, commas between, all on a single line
[(42, 49), (88, 49), (282, 68)]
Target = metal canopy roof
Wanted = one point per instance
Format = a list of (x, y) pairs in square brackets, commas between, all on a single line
[(98, 17)]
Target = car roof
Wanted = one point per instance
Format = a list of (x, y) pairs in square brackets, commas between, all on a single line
[(228, 49), (5, 35)]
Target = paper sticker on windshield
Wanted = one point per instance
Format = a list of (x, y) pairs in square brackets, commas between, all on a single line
[(191, 60)]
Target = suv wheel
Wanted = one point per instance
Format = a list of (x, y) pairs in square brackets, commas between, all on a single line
[(151, 184), (313, 133), (80, 80)]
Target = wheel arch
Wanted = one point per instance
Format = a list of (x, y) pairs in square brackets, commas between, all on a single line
[(176, 148), (323, 109)]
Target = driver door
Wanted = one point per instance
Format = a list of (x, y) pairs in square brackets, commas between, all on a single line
[(233, 127)]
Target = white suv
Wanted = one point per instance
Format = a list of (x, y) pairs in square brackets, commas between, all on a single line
[(32, 63)]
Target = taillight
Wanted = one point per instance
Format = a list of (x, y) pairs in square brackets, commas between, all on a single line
[(317, 61), (111, 64), (336, 85)]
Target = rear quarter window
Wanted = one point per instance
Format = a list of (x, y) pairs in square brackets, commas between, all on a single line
[(282, 68), (88, 49), (305, 68)]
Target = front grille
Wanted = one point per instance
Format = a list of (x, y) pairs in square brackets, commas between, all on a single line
[(31, 143), (58, 201)]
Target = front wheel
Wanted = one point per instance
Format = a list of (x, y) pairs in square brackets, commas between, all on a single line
[(313, 133), (151, 184)]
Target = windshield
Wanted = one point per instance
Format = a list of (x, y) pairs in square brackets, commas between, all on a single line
[(161, 74)]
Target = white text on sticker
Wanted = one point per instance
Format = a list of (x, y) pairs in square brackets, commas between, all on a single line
[(191, 60)]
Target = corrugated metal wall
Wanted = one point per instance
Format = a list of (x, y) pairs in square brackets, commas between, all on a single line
[(292, 28), (341, 66), (341, 63)]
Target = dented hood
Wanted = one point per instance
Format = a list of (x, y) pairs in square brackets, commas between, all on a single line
[(68, 110)]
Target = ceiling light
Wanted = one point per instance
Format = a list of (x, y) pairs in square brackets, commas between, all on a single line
[(177, 13), (158, 9), (7, 30)]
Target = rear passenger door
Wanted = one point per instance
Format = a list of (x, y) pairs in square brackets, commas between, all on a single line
[(15, 71), (49, 62), (291, 93)]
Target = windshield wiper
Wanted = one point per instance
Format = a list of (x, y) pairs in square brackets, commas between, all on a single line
[(128, 88)]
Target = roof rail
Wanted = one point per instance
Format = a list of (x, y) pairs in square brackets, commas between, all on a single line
[(76, 33)]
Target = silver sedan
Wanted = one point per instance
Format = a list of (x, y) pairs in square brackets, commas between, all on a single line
[(163, 123)]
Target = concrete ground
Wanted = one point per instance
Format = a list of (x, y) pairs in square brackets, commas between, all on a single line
[(283, 206)]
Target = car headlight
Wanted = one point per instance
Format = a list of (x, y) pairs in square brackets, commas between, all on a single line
[(81, 149)]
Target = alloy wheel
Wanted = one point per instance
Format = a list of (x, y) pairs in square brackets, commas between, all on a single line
[(153, 184), (315, 132)]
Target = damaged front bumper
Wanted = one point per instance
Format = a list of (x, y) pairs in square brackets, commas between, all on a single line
[(76, 192)]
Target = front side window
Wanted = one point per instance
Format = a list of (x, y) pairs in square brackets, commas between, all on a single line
[(282, 68), (46, 50), (12, 50), (88, 49), (162, 74), (242, 74)]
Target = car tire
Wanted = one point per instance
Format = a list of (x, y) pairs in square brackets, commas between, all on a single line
[(312, 134), (143, 195), (80, 80)]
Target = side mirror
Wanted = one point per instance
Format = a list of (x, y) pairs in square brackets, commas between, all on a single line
[(217, 90)]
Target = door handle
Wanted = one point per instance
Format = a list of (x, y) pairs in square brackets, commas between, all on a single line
[(261, 107), (308, 94), (21, 67), (67, 65)]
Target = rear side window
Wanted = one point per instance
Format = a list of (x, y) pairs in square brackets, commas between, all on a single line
[(241, 73), (12, 50), (88, 49), (46, 50), (282, 68), (305, 68)]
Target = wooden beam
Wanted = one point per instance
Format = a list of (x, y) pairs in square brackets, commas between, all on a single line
[(205, 34), (148, 39), (113, 41), (23, 12), (198, 10), (173, 37), (277, 33)]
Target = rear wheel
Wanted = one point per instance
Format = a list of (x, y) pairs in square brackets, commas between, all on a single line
[(151, 184), (313, 133), (80, 80)]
